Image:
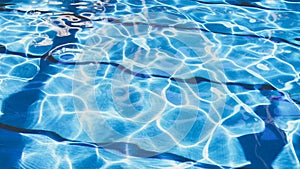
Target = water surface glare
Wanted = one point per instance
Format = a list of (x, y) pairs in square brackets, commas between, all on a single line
[(90, 84)]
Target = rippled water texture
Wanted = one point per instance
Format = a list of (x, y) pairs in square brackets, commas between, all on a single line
[(149, 84)]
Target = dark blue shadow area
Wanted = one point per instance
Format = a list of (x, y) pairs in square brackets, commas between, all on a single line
[(262, 148), (15, 107), (11, 147)]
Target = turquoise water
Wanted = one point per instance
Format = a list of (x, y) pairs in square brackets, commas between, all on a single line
[(149, 84)]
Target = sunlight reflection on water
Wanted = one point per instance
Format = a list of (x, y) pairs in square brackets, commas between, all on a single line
[(149, 84)]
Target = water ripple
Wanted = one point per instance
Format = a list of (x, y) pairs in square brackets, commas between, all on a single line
[(150, 84)]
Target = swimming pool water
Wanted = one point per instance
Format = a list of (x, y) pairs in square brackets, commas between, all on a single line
[(89, 84)]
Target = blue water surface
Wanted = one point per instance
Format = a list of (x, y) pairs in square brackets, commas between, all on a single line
[(89, 84)]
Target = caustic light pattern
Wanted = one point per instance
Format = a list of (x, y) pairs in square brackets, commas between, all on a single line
[(149, 84)]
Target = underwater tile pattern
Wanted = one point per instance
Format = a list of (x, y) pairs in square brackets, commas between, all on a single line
[(89, 84)]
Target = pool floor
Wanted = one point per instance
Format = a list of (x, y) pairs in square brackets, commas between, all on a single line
[(133, 84)]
